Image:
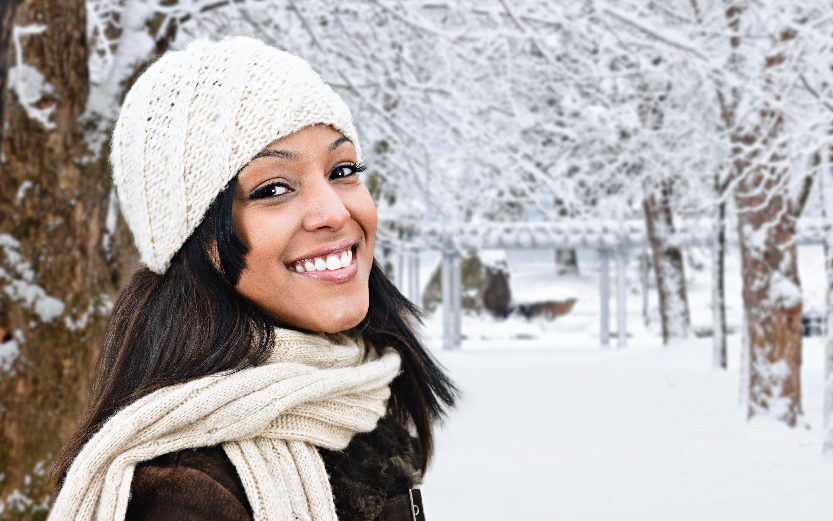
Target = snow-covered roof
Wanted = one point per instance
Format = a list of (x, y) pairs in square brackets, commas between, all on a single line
[(561, 234)]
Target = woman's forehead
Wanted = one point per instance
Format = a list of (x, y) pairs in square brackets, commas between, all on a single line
[(310, 140)]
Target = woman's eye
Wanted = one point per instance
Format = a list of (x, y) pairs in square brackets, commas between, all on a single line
[(346, 170), (270, 190)]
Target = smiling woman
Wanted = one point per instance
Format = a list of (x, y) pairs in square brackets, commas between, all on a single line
[(260, 366)]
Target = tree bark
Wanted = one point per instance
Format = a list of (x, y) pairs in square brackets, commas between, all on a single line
[(60, 264), (766, 228), (771, 292), (668, 261), (7, 16)]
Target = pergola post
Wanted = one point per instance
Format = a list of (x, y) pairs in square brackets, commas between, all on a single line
[(413, 278), (446, 270), (644, 274), (456, 295), (604, 298), (621, 297), (400, 271)]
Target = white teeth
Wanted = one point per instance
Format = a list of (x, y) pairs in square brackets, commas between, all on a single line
[(333, 263)]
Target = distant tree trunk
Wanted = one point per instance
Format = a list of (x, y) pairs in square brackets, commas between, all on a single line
[(668, 261), (495, 293), (771, 291), (59, 262), (719, 355), (566, 260)]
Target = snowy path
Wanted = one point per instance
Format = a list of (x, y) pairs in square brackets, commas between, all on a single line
[(643, 434)]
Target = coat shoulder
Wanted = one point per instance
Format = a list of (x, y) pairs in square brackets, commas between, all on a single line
[(189, 485)]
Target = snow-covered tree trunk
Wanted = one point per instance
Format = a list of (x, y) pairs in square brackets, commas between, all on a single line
[(825, 176), (52, 212), (668, 261), (771, 293), (64, 252)]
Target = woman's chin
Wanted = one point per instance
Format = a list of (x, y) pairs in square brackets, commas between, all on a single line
[(330, 319)]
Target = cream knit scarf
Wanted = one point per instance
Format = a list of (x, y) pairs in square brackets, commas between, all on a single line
[(313, 392)]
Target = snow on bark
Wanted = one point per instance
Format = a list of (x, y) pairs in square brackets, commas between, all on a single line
[(20, 282), (27, 82), (8, 353)]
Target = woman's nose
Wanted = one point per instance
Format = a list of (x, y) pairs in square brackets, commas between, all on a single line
[(324, 208)]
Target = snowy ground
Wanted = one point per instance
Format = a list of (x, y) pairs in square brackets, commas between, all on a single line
[(553, 428)]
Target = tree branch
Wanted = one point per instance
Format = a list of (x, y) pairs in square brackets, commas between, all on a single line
[(657, 36)]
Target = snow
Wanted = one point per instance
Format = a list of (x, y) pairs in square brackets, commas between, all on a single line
[(643, 433), (8, 353), (27, 82), (21, 284), (24, 187), (783, 291), (553, 427), (109, 69), (35, 298)]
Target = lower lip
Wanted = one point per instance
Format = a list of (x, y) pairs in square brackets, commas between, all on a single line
[(339, 275)]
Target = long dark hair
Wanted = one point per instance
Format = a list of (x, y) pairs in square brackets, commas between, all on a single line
[(190, 322)]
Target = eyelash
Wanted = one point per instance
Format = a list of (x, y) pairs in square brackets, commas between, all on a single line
[(354, 169), (269, 190)]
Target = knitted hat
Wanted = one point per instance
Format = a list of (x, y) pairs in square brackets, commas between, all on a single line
[(194, 118)]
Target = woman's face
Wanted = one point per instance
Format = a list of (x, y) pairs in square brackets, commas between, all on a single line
[(309, 224)]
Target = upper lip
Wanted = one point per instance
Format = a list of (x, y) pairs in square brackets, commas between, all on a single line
[(323, 251)]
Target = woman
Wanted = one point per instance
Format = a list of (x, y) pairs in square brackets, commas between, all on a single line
[(260, 366)]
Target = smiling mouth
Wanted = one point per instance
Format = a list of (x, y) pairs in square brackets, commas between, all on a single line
[(330, 262)]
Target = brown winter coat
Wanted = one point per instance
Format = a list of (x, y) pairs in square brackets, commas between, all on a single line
[(202, 484)]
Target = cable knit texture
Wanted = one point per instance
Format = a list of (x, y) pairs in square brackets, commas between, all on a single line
[(194, 118), (313, 392)]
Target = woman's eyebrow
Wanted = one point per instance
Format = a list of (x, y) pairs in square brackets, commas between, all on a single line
[(283, 154), (337, 143), (286, 154)]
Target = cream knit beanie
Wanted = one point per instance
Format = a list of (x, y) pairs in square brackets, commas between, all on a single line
[(194, 118)]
